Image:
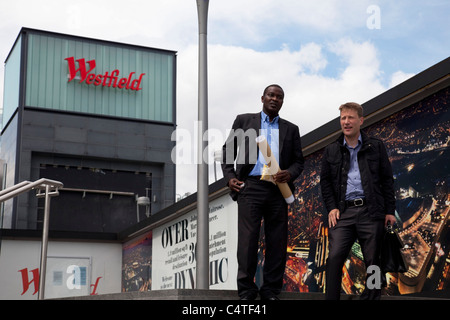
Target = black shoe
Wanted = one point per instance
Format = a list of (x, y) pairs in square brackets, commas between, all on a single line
[(248, 296), (272, 298)]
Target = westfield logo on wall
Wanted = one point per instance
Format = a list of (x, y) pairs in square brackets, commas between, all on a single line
[(108, 79)]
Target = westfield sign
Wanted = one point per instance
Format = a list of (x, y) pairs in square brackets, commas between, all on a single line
[(108, 79)]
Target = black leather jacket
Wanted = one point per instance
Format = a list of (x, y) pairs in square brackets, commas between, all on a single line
[(376, 176)]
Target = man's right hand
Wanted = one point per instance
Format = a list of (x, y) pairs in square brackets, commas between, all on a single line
[(333, 218), (235, 185)]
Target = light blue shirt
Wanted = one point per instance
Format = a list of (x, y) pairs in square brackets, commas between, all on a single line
[(354, 186), (270, 130)]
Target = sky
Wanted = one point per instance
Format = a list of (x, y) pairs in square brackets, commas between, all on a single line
[(323, 53)]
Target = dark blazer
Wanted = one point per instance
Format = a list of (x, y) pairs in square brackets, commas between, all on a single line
[(241, 147), (376, 176)]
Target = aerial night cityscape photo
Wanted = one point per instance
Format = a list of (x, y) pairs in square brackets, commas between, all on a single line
[(418, 143)]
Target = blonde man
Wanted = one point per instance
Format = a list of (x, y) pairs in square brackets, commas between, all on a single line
[(358, 192)]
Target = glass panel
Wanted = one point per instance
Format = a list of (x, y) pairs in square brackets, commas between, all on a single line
[(12, 81)]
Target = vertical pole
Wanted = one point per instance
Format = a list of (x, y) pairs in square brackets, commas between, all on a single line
[(202, 271), (43, 268)]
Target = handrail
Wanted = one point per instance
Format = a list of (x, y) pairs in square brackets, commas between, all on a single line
[(51, 189), (111, 193), (25, 186)]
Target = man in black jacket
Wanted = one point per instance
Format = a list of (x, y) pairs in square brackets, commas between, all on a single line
[(358, 192), (258, 199)]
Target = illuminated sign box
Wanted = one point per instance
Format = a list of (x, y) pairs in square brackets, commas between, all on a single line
[(97, 77)]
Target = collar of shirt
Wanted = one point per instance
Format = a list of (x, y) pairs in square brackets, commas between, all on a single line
[(357, 146), (265, 118)]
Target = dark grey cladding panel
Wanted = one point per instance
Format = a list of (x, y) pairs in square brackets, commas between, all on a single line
[(97, 137)]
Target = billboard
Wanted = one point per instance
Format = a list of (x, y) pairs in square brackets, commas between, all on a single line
[(418, 142), (165, 258)]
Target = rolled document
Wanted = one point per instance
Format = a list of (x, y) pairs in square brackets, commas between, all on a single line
[(274, 168)]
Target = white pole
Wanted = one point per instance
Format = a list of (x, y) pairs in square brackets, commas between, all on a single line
[(202, 271)]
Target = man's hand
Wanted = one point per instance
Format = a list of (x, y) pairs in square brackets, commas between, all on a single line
[(282, 176), (389, 219), (235, 184), (333, 217)]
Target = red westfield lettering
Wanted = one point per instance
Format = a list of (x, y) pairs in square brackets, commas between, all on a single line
[(106, 80), (26, 282)]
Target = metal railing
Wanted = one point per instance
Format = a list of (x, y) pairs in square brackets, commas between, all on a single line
[(45, 189)]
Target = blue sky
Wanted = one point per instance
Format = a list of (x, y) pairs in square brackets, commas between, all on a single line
[(322, 52), (412, 35)]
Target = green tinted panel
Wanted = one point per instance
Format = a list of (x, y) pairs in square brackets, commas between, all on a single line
[(89, 77)]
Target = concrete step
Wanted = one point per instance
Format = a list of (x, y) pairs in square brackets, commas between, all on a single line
[(197, 294)]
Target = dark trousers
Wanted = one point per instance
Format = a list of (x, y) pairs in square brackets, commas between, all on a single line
[(354, 224), (257, 201)]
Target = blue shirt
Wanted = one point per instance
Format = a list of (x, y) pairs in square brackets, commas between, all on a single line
[(354, 186), (270, 130)]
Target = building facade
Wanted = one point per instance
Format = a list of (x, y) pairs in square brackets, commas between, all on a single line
[(94, 115)]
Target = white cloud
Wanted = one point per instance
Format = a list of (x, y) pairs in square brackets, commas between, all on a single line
[(399, 77), (319, 52), (237, 77), (254, 21)]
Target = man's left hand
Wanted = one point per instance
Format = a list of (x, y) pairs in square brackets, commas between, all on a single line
[(389, 219)]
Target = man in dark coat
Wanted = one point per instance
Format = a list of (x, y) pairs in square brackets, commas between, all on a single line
[(358, 190), (258, 199)]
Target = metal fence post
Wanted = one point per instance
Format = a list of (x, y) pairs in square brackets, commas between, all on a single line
[(43, 267), (40, 184)]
